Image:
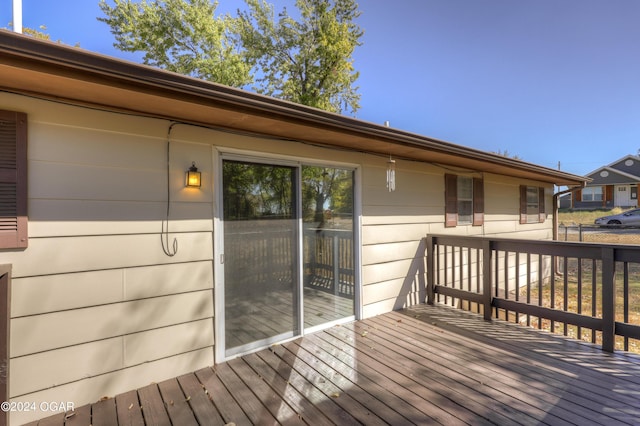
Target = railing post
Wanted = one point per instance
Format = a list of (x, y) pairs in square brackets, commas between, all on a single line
[(608, 300), (430, 271), (580, 232), (486, 279)]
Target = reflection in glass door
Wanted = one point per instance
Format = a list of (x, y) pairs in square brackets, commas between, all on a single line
[(289, 261), (329, 273), (261, 255)]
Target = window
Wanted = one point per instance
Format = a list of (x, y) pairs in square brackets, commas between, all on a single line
[(532, 208), (593, 193), (13, 180), (464, 201)]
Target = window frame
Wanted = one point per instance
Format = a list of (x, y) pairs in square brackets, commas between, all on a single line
[(451, 201), (526, 216), (591, 192)]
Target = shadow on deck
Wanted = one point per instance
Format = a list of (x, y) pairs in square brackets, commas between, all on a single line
[(424, 365)]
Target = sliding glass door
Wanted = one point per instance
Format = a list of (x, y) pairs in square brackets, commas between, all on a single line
[(260, 254), (288, 251), (329, 273)]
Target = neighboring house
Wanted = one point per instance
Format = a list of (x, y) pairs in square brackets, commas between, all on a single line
[(614, 185), (125, 272)]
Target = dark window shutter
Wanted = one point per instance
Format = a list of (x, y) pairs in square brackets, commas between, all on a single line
[(542, 214), (450, 200), (523, 204), (478, 202), (13, 180)]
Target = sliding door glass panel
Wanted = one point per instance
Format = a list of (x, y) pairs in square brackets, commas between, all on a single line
[(328, 249), (260, 254)]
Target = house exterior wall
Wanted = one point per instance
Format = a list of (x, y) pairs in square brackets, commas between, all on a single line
[(98, 308), (623, 195)]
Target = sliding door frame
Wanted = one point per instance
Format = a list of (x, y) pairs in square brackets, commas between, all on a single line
[(222, 154)]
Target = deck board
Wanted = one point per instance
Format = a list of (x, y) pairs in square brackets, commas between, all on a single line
[(443, 383), (348, 384), (327, 387), (283, 389), (251, 405), (607, 382), (103, 413), (153, 407), (177, 403), (399, 380), (80, 417), (424, 365), (128, 409), (394, 393), (270, 400), (308, 390), (203, 408), (474, 374), (227, 406), (513, 378)]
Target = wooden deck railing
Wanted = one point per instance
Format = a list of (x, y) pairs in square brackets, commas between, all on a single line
[(583, 290), (328, 265)]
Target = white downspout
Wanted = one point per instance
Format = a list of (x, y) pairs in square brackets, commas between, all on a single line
[(17, 16)]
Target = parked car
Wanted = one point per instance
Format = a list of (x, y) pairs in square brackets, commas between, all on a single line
[(630, 217)]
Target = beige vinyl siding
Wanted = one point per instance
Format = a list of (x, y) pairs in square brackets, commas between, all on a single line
[(112, 383), (61, 292), (97, 306), (502, 203), (61, 255), (394, 224), (95, 281)]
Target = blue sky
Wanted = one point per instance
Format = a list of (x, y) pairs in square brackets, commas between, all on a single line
[(548, 80)]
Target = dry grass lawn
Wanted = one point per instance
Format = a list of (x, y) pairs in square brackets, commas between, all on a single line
[(586, 306), (584, 217), (572, 304), (572, 219)]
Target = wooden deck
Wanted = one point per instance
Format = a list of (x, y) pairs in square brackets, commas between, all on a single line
[(425, 365)]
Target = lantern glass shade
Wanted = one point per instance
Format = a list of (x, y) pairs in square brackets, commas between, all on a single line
[(193, 177)]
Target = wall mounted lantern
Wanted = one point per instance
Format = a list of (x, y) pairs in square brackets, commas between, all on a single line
[(193, 177)]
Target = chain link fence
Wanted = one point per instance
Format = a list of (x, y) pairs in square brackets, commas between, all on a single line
[(604, 234)]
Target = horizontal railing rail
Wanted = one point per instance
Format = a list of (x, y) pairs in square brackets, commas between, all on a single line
[(583, 290)]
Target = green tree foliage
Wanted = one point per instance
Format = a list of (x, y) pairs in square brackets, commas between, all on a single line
[(324, 187), (182, 36), (254, 191), (41, 35), (307, 61)]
